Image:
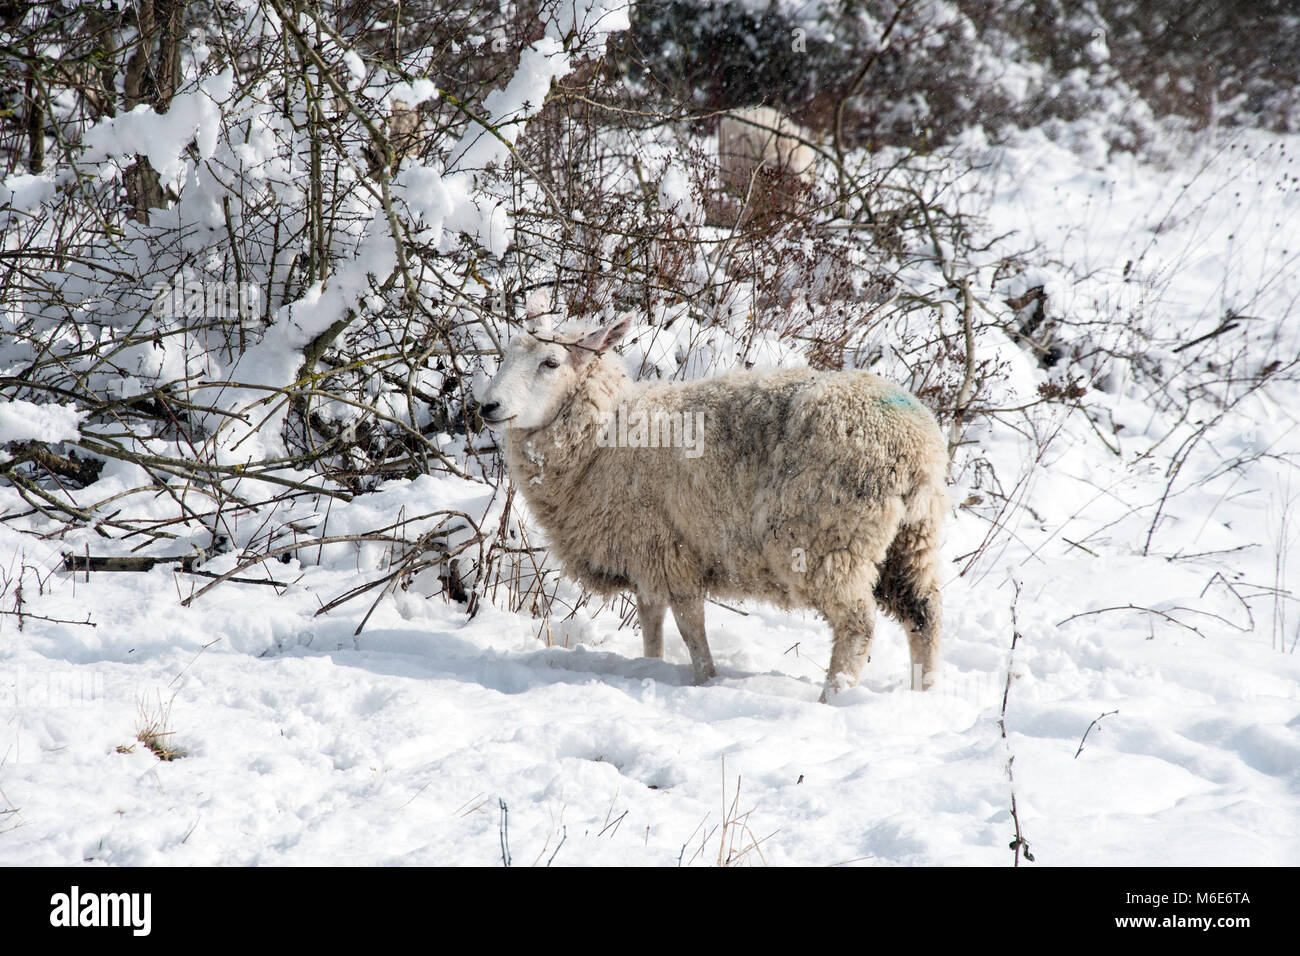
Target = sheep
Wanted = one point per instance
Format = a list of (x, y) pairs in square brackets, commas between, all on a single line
[(760, 137), (823, 490)]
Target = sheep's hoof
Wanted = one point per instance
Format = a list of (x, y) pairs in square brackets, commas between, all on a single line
[(834, 686), (703, 676)]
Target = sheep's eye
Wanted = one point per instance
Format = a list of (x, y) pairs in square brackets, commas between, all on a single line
[(550, 362)]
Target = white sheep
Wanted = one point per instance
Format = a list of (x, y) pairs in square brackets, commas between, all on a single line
[(761, 137), (796, 487)]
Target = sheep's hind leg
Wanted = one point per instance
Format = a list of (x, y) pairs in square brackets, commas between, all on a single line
[(909, 590), (921, 617), (651, 614), (852, 633), (689, 615)]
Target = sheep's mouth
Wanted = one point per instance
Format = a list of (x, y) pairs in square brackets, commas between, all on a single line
[(497, 421)]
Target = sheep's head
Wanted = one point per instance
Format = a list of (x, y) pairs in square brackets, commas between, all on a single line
[(538, 374)]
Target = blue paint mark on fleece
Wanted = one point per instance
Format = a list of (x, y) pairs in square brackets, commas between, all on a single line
[(904, 400)]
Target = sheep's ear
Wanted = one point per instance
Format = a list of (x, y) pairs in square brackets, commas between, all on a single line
[(604, 339), (616, 331)]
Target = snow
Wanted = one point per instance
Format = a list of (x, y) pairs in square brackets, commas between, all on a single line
[(308, 744), (1161, 597), (413, 94), (28, 421), (24, 192), (191, 117), (355, 67), (520, 98), (489, 139)]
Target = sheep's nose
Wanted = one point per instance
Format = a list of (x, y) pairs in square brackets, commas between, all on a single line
[(487, 410)]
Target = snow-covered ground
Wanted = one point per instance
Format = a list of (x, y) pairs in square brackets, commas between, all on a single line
[(433, 739)]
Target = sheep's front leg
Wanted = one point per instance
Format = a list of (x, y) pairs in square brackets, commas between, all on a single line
[(651, 613), (689, 615)]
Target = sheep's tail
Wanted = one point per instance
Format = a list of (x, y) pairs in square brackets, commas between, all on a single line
[(928, 503), (914, 552)]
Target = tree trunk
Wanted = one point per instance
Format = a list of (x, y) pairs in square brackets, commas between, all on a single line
[(34, 97), (152, 77)]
